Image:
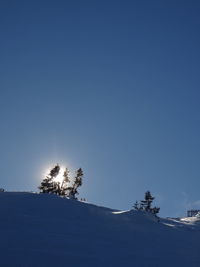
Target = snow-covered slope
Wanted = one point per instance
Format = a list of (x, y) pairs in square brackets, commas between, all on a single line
[(46, 230)]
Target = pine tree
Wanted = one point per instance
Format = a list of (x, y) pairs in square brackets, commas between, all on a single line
[(47, 184), (77, 182), (65, 183), (148, 201), (78, 178), (55, 171), (146, 204)]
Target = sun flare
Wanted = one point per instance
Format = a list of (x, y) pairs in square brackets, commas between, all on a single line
[(59, 177)]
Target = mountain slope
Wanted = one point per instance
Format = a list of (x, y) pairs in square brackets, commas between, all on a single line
[(46, 230)]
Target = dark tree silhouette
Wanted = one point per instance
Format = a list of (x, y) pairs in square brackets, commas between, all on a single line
[(77, 183), (47, 184), (66, 188), (146, 204), (148, 199), (55, 171), (65, 183)]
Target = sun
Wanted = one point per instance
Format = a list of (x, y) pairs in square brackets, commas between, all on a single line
[(59, 177)]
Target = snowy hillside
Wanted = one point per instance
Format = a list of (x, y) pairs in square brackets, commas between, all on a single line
[(46, 230)]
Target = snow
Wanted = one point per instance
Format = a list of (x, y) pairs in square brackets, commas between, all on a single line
[(46, 230)]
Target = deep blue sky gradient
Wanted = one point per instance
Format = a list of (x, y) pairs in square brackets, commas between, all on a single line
[(111, 86)]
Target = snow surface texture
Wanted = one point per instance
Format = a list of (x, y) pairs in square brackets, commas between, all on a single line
[(46, 230)]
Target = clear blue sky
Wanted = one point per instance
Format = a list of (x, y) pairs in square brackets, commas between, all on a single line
[(109, 86)]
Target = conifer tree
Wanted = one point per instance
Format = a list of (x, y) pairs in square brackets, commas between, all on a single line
[(148, 201), (146, 204), (65, 183), (47, 184), (66, 188), (77, 182), (78, 178), (55, 171)]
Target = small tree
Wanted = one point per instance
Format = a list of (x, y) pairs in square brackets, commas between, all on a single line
[(65, 183), (66, 188), (148, 201), (146, 204), (77, 183), (55, 171), (47, 184)]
